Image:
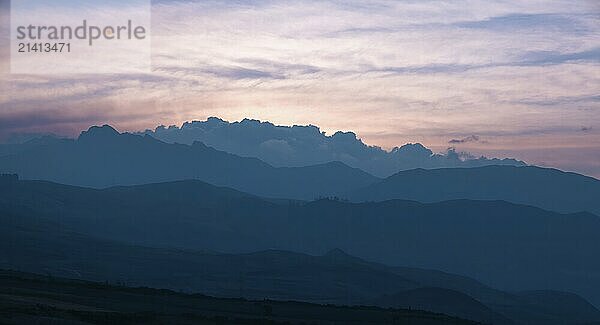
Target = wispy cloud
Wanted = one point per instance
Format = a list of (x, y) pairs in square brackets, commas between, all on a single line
[(562, 101), (531, 23)]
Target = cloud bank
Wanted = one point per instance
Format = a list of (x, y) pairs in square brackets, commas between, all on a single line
[(298, 146)]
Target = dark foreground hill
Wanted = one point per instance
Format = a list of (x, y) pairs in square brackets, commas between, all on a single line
[(33, 299), (102, 157), (333, 278), (440, 299), (546, 188)]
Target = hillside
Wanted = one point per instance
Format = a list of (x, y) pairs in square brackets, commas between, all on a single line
[(546, 188), (28, 298)]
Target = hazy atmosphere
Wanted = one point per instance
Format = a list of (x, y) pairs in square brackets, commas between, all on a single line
[(299, 162)]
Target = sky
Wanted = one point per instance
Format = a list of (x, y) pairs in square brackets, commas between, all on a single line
[(506, 78)]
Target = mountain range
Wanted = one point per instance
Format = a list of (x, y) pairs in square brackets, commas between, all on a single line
[(102, 157), (510, 246), (41, 246), (134, 209)]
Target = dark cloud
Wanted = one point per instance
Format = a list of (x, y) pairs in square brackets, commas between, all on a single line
[(49, 121), (471, 138), (430, 68), (281, 67), (52, 92), (247, 69), (562, 100), (528, 22), (238, 73), (233, 73), (534, 58)]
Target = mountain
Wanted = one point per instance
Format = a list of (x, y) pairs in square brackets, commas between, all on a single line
[(36, 299), (297, 146), (102, 157), (39, 246), (546, 188), (509, 246)]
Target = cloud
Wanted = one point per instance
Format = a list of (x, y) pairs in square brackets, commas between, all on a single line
[(234, 73), (528, 22), (248, 68), (535, 58), (471, 138), (306, 145), (562, 100), (555, 57)]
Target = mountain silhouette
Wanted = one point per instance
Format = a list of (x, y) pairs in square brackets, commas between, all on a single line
[(296, 146), (41, 246), (546, 188), (509, 246), (103, 157)]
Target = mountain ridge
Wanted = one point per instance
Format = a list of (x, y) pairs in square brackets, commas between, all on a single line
[(547, 188), (128, 159)]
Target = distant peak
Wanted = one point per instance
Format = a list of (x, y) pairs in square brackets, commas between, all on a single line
[(199, 144), (334, 163), (338, 254), (103, 131)]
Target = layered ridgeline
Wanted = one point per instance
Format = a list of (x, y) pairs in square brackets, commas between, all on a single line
[(508, 246), (286, 146), (43, 246), (102, 157)]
